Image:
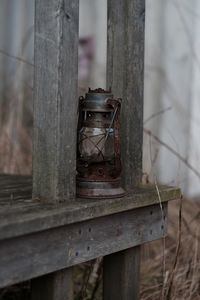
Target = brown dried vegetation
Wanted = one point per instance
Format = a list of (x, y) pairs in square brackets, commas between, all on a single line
[(181, 280)]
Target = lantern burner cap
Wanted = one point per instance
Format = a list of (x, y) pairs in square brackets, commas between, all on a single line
[(99, 91), (95, 100)]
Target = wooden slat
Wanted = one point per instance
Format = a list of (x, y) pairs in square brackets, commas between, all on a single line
[(55, 99), (125, 75), (115, 270), (16, 220), (55, 115), (55, 286), (51, 250), (14, 188)]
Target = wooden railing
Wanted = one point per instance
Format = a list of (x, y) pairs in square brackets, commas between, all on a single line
[(42, 237)]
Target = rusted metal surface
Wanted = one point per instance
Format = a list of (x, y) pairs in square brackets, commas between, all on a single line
[(98, 151)]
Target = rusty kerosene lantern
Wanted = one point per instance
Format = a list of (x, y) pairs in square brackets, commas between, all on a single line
[(98, 146)]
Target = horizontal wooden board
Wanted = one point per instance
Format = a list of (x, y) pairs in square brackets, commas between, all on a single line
[(19, 216), (15, 188), (40, 253)]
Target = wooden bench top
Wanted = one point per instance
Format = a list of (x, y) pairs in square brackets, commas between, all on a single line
[(20, 215)]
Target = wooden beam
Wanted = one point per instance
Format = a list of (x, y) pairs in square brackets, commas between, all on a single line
[(55, 119), (22, 217), (121, 275), (125, 75), (55, 99), (54, 286), (37, 254)]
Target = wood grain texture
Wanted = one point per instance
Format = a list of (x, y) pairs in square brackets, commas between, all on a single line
[(15, 189), (55, 99), (19, 216), (54, 286), (125, 75), (55, 120), (51, 250), (121, 274)]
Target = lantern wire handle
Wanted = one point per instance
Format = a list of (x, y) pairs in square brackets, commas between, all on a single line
[(108, 131)]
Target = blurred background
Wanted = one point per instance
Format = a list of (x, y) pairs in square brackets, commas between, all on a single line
[(171, 125), (172, 85)]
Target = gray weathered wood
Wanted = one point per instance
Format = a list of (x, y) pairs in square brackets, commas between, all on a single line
[(55, 99), (19, 216), (55, 116), (54, 286), (125, 76), (121, 275), (51, 250)]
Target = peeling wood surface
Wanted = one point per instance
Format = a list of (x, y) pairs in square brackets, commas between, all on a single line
[(19, 216), (40, 253)]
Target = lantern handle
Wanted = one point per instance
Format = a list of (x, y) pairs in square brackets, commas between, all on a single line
[(114, 102)]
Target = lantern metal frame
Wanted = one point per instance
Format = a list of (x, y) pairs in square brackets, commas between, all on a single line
[(98, 174)]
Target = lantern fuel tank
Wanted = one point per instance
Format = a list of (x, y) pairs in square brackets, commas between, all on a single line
[(98, 146)]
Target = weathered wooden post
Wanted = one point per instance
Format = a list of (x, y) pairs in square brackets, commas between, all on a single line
[(125, 76), (55, 119), (55, 99), (44, 235)]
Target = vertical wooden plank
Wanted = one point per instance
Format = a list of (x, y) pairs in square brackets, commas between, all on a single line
[(55, 286), (55, 119), (55, 99), (125, 75), (121, 275)]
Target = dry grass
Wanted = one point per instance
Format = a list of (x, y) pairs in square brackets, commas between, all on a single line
[(185, 284), (15, 132)]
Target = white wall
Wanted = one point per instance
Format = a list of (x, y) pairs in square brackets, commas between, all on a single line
[(172, 80), (194, 152)]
